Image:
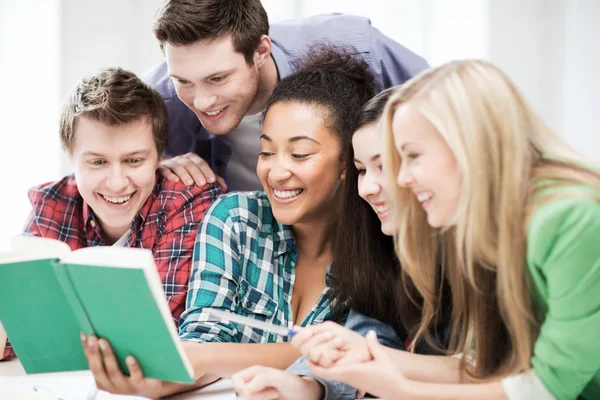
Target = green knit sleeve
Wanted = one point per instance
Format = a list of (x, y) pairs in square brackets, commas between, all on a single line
[(563, 258)]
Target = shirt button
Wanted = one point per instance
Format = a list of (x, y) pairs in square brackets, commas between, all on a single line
[(93, 224)]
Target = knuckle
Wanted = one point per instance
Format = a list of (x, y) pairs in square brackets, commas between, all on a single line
[(113, 373)]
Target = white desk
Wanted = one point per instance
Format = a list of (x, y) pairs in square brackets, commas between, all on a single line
[(15, 384)]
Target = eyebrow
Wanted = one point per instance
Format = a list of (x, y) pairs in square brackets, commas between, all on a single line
[(374, 158), (292, 139), (142, 152), (224, 72)]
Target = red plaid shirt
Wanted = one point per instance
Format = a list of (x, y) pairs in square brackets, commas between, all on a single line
[(167, 223)]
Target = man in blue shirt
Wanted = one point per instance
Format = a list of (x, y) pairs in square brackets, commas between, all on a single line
[(222, 62)]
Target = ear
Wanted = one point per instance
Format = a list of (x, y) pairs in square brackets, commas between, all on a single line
[(263, 51)]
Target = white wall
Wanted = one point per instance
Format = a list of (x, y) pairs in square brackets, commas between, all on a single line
[(580, 108), (527, 40), (551, 49), (29, 101)]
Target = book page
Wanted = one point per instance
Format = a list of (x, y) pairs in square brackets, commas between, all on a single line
[(27, 248), (110, 256)]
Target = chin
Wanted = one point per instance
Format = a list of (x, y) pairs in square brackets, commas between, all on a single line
[(285, 218), (221, 127), (434, 222), (387, 231)]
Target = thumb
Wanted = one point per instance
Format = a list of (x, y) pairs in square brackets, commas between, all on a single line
[(375, 348)]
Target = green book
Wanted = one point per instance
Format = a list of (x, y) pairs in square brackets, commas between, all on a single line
[(49, 294)]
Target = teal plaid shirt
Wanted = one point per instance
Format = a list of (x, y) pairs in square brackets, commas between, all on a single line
[(244, 261)]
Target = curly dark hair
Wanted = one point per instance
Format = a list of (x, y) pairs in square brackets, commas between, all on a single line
[(333, 78)]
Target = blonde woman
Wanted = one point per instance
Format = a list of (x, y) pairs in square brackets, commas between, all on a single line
[(518, 214)]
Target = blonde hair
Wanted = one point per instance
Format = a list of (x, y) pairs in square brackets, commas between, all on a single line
[(499, 144)]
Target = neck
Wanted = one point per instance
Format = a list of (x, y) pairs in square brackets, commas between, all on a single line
[(314, 239), (111, 235), (267, 80)]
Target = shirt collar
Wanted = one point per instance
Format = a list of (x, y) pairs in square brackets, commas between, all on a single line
[(283, 237)]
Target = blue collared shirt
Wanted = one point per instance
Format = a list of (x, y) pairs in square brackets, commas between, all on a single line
[(390, 62)]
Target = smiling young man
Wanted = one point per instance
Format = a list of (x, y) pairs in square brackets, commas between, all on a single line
[(114, 127), (222, 62)]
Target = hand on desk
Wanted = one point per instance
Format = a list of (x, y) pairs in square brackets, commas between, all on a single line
[(262, 383)]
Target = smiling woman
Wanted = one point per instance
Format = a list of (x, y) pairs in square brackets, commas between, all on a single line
[(299, 163)]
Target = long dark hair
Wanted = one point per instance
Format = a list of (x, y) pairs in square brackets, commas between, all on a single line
[(367, 276)]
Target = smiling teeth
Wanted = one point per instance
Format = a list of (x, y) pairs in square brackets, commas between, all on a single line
[(287, 194), (213, 113), (381, 209), (117, 200), (423, 197)]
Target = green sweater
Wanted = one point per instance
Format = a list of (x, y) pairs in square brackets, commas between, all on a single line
[(563, 259)]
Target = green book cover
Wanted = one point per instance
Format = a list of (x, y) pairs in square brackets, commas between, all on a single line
[(113, 292)]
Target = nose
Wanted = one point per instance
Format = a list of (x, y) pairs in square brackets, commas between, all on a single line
[(203, 100), (368, 186), (117, 181), (279, 171), (405, 177)]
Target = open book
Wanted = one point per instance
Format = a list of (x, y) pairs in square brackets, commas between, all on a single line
[(49, 294)]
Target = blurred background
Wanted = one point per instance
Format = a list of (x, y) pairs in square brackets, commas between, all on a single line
[(550, 48)]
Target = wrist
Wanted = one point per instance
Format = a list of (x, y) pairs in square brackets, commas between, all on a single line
[(411, 390), (198, 356), (314, 389)]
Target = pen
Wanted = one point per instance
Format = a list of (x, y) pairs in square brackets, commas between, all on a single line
[(253, 323), (54, 395)]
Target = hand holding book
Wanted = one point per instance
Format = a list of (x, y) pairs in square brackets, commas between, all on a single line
[(48, 295)]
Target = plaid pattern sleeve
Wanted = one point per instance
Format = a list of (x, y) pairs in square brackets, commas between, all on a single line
[(31, 227), (213, 282), (179, 212), (244, 262)]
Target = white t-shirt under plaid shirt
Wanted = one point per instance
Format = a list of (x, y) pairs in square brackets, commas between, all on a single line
[(244, 262)]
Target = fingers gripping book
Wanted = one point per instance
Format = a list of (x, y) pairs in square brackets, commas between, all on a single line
[(49, 294)]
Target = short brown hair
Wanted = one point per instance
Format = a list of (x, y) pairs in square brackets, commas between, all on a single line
[(183, 22), (114, 97)]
